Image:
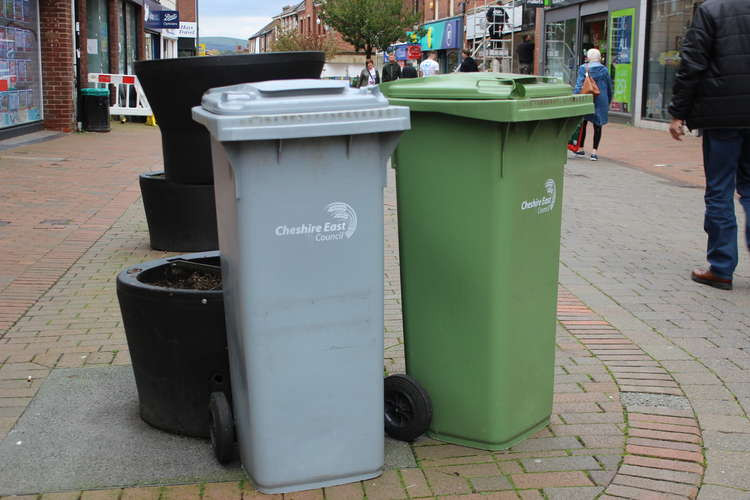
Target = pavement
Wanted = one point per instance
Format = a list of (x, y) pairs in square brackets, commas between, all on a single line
[(652, 385)]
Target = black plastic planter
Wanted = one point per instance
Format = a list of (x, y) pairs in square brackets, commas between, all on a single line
[(180, 217), (178, 346), (174, 86)]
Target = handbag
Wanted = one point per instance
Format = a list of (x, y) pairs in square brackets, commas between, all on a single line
[(589, 85)]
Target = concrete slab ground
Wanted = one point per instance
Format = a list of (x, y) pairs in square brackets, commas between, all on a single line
[(83, 431)]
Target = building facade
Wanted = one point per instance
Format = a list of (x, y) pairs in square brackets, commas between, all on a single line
[(48, 48), (304, 16), (640, 42)]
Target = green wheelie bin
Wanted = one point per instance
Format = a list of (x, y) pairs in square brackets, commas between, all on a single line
[(479, 182)]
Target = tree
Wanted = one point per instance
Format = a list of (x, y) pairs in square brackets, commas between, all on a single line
[(292, 40), (369, 24)]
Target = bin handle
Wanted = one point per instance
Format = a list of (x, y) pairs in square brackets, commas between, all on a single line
[(520, 86)]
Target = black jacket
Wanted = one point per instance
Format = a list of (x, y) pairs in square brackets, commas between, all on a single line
[(712, 86), (409, 71), (391, 71), (468, 65), (526, 53)]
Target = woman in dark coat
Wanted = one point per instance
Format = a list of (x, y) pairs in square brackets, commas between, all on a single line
[(599, 73)]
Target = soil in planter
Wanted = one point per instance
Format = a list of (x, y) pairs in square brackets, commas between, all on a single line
[(185, 279)]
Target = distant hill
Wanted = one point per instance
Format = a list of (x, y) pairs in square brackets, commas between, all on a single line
[(222, 43)]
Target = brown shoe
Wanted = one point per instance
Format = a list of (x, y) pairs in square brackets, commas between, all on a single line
[(706, 277)]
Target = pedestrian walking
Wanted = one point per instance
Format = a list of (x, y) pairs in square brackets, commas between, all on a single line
[(468, 65), (596, 70), (429, 66), (525, 53), (408, 71), (391, 70), (710, 93), (369, 75)]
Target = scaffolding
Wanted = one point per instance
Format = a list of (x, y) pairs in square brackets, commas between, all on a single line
[(491, 28)]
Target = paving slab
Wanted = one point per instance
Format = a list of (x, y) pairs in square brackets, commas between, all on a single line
[(83, 431)]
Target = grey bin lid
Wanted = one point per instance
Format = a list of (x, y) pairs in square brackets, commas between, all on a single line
[(287, 109)]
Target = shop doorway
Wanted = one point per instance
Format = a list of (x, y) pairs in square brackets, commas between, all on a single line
[(594, 35)]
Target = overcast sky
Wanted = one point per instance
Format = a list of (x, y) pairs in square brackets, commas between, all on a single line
[(236, 18)]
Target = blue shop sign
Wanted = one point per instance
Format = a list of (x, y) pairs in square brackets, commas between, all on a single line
[(156, 17), (400, 50)]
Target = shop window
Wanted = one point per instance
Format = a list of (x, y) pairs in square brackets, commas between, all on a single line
[(20, 91), (560, 58), (97, 45), (667, 25), (131, 44), (121, 36)]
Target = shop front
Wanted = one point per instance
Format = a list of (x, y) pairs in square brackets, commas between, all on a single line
[(161, 27), (573, 27), (666, 25), (187, 35), (20, 69), (128, 35), (446, 38)]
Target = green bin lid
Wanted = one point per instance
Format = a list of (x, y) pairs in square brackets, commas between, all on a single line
[(92, 91), (498, 97)]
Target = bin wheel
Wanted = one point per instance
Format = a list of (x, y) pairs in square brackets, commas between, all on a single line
[(221, 427), (408, 409)]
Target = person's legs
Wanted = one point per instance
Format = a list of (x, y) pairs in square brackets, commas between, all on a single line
[(597, 139), (743, 181), (597, 136), (721, 155), (582, 140)]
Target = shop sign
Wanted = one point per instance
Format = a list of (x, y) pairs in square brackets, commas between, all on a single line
[(621, 58), (551, 4), (441, 35), (163, 19), (534, 3), (156, 17), (398, 50), (188, 29), (404, 52)]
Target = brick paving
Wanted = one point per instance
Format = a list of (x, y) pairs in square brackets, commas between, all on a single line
[(56, 199), (655, 152), (629, 244), (594, 445)]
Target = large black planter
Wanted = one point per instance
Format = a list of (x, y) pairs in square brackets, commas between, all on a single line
[(178, 346), (174, 86), (180, 217)]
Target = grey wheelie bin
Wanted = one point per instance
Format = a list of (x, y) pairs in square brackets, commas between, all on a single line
[(299, 170)]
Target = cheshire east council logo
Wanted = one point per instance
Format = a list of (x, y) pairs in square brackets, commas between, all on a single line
[(547, 201), (341, 224)]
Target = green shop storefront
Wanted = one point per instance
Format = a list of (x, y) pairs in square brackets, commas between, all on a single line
[(446, 38), (572, 27)]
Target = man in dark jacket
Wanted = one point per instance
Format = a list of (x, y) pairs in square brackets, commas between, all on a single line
[(409, 71), (468, 65), (711, 94), (526, 56), (391, 70)]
